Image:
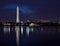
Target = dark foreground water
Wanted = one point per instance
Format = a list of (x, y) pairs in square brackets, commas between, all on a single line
[(38, 36)]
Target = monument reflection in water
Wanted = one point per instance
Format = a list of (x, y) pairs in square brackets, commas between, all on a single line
[(26, 35), (15, 32)]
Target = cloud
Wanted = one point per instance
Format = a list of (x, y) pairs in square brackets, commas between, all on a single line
[(26, 10), (23, 9), (10, 6)]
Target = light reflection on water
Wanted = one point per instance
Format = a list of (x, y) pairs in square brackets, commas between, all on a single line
[(6, 29), (17, 30), (21, 30), (31, 29), (28, 29)]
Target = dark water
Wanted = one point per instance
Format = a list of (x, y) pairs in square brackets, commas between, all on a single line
[(41, 36)]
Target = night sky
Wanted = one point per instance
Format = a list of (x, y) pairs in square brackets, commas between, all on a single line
[(34, 10)]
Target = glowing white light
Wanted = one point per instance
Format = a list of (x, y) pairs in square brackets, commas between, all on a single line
[(17, 17), (32, 29), (17, 34), (21, 30), (32, 24), (22, 23), (28, 20), (9, 29), (17, 27), (27, 30), (5, 29)]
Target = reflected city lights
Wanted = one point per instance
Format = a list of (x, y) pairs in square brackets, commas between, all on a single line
[(27, 30), (9, 29), (32, 29), (21, 30), (6, 29), (17, 30)]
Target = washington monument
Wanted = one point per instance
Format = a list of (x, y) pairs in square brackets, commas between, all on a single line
[(17, 29)]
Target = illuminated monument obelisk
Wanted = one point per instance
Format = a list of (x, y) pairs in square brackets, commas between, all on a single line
[(17, 17), (17, 29)]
